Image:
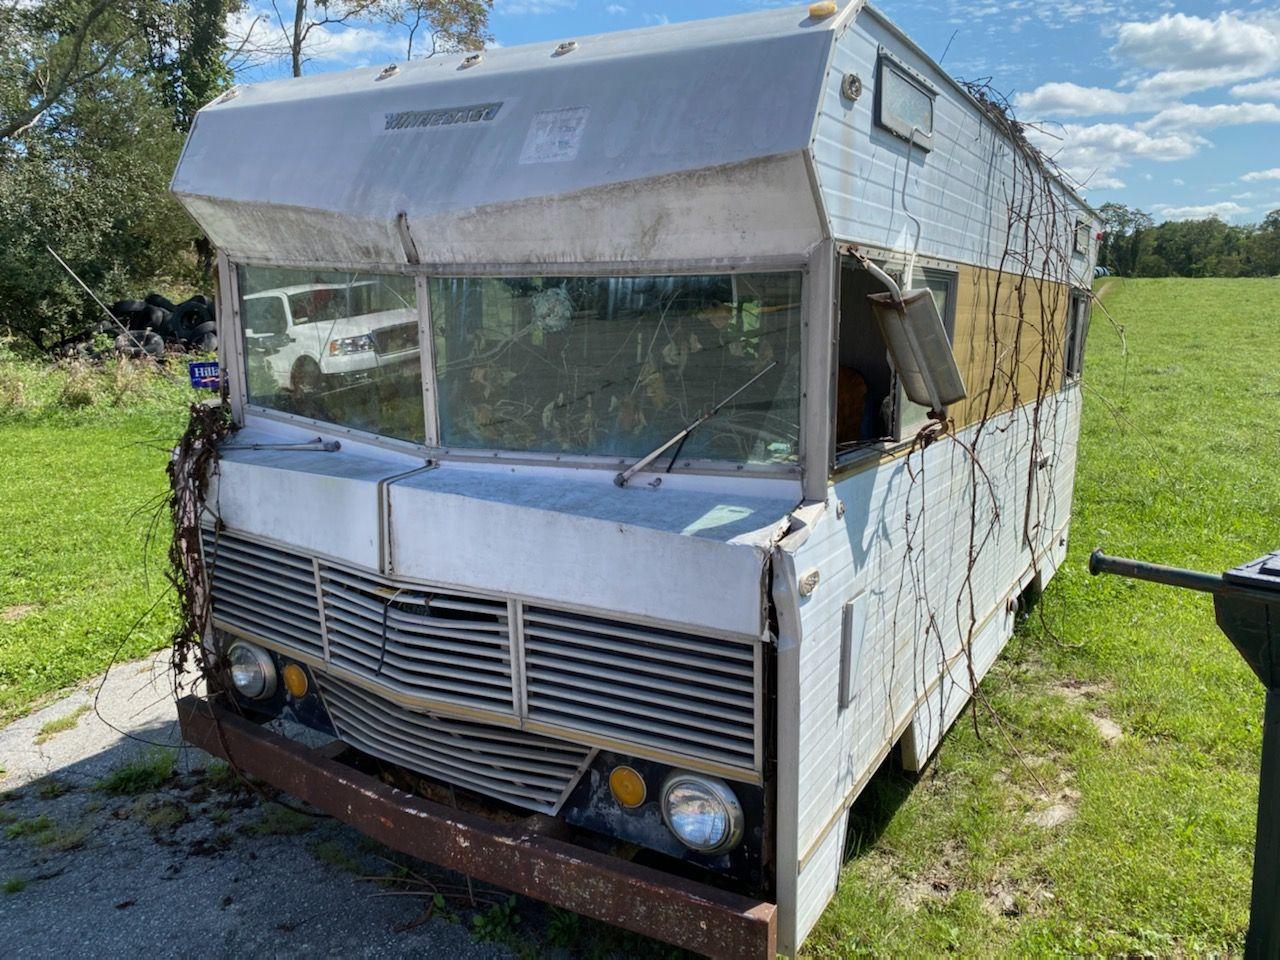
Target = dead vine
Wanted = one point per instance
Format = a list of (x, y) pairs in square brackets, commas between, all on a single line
[(1027, 300), (191, 469)]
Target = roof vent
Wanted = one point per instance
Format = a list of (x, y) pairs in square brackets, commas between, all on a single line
[(567, 47), (470, 61), (390, 70)]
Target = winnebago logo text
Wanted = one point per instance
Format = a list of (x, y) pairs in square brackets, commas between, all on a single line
[(450, 116)]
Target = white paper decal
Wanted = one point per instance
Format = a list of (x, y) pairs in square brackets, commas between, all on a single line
[(555, 135)]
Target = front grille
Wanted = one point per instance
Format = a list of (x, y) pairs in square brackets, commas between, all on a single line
[(597, 680), (443, 647), (632, 684), (524, 769), (263, 591)]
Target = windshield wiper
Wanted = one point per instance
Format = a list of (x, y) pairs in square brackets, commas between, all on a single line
[(623, 478)]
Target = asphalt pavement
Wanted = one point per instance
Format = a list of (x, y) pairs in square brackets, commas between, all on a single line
[(104, 852)]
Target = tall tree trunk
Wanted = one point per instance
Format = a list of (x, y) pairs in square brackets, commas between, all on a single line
[(295, 47)]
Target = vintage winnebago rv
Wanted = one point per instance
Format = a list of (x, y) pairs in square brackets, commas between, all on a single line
[(561, 641)]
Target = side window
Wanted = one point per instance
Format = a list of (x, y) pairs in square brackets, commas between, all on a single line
[(871, 406), (1083, 234), (264, 315), (904, 101), (1077, 331)]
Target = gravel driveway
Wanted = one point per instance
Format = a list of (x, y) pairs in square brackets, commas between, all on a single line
[(113, 846)]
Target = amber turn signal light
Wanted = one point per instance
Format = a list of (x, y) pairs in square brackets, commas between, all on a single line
[(627, 786), (295, 681)]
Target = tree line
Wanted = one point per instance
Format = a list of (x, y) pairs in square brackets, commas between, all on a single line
[(97, 96), (1134, 245), (96, 99)]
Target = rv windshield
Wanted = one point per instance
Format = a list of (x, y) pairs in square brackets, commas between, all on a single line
[(339, 347), (614, 366)]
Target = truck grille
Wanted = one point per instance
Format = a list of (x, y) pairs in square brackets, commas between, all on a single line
[(443, 647), (524, 769), (403, 336), (631, 684), (263, 591)]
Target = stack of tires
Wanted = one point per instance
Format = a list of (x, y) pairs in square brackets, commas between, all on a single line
[(156, 322)]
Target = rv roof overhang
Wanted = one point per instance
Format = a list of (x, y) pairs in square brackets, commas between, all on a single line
[(687, 145)]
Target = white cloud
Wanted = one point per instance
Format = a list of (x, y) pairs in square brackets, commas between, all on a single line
[(1103, 181), (1176, 55), (1176, 83), (1222, 211), (1179, 182), (1259, 175), (1073, 100), (615, 9), (258, 32), (1258, 90), (534, 7), (1093, 154), (1191, 53), (1181, 42), (1191, 116), (350, 44)]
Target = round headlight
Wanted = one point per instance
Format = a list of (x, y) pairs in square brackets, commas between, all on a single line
[(252, 671), (702, 812)]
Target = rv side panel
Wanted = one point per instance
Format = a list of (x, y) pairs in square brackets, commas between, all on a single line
[(957, 188), (903, 543)]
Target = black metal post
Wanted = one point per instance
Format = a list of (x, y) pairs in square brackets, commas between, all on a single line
[(1099, 562), (1263, 940)]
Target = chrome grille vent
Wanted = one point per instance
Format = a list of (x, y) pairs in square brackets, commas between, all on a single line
[(642, 685), (441, 647), (263, 591), (524, 769), (661, 692)]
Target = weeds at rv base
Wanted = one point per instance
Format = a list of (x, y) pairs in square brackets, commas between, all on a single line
[(1154, 854)]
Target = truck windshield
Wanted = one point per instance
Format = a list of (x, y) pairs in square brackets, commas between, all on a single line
[(614, 366)]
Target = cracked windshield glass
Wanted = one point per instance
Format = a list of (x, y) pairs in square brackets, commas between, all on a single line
[(615, 366), (334, 346)]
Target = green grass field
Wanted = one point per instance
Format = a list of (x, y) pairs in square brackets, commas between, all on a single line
[(82, 458), (1152, 852)]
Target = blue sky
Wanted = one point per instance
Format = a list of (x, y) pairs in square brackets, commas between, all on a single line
[(1172, 106)]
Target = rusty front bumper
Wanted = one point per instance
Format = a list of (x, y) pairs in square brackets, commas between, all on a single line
[(526, 857)]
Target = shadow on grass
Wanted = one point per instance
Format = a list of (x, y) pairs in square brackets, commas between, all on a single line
[(877, 805)]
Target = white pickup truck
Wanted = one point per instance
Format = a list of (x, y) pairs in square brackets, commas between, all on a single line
[(313, 333)]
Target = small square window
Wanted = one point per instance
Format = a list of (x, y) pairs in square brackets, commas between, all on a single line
[(904, 102), (1077, 331), (1084, 233)]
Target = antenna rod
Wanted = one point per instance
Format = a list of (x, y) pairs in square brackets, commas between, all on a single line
[(110, 316)]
